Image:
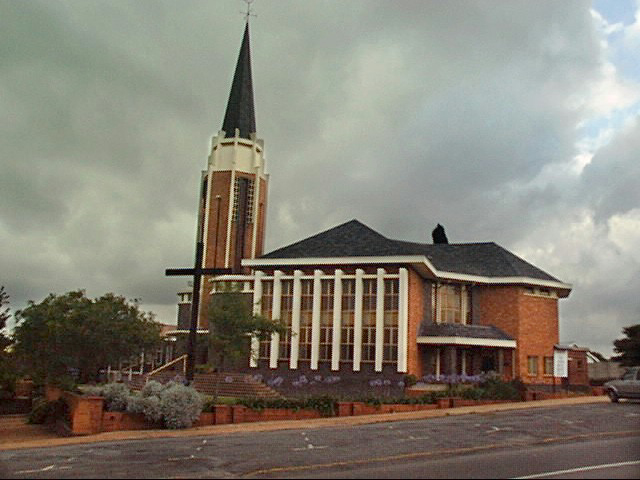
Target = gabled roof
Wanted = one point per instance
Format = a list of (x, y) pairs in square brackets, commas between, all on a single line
[(354, 239), (240, 112)]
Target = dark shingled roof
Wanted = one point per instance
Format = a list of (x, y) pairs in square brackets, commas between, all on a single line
[(467, 331), (354, 239), (240, 111)]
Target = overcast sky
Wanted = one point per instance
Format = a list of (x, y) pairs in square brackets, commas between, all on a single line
[(505, 121)]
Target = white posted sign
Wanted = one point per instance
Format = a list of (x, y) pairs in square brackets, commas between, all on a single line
[(561, 363)]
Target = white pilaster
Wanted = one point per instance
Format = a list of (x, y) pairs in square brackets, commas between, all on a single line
[(315, 319), (257, 164), (257, 310), (337, 321), (275, 315), (379, 319), (357, 321), (295, 320), (403, 319), (232, 189)]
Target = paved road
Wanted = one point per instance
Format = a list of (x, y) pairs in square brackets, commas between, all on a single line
[(557, 438)]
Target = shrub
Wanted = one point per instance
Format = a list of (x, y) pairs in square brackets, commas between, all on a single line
[(149, 406), (152, 388), (410, 380), (116, 396), (180, 406), (48, 412), (497, 389)]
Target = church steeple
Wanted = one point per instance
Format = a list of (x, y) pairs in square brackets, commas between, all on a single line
[(235, 183), (240, 112)]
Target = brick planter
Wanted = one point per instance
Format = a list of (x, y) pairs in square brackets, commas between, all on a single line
[(86, 413), (206, 418), (222, 415), (114, 421)]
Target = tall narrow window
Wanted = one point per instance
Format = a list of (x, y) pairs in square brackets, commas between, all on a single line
[(326, 320), (266, 309), (532, 366), (548, 366), (369, 321), (348, 307), (390, 349), (286, 308), (306, 313)]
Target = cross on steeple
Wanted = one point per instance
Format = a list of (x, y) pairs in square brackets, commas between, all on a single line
[(249, 12)]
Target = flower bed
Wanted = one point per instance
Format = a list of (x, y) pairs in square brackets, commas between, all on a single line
[(117, 411)]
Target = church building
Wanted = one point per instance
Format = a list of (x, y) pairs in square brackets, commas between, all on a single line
[(361, 307)]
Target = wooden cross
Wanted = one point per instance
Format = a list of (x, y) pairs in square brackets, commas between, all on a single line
[(197, 272)]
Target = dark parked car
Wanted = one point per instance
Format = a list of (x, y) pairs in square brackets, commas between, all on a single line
[(626, 387)]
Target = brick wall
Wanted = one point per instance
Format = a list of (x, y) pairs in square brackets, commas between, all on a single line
[(578, 368), (531, 320), (538, 334)]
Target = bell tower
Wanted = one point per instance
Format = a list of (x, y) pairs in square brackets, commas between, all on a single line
[(234, 186)]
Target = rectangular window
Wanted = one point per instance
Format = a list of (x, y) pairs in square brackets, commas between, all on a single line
[(532, 366), (369, 320), (266, 309), (326, 320), (286, 309), (240, 183), (306, 312), (348, 307), (452, 304), (390, 347), (548, 365)]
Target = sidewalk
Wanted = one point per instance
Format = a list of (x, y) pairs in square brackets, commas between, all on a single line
[(32, 436)]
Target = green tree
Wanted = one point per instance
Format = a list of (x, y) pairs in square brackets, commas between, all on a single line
[(628, 349), (8, 368), (4, 316), (231, 325), (72, 331)]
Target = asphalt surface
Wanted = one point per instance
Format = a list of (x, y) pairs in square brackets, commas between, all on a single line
[(346, 446)]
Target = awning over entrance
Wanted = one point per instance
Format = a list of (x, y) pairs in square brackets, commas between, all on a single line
[(464, 335)]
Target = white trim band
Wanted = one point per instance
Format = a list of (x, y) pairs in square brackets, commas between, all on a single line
[(477, 342)]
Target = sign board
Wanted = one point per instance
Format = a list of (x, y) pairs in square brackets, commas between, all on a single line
[(560, 363)]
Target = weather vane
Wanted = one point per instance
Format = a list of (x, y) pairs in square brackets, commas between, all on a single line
[(249, 12)]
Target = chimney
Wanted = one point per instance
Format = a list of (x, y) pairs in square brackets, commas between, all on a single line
[(438, 235)]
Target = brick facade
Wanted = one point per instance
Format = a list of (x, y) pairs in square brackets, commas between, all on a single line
[(531, 320)]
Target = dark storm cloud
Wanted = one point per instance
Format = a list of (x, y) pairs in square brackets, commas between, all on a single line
[(400, 114)]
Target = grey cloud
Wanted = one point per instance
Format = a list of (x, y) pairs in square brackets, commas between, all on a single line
[(400, 114)]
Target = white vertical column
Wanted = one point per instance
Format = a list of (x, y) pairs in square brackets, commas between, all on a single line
[(437, 364), (337, 321), (379, 319), (357, 321), (403, 319), (232, 188), (295, 320), (257, 310), (315, 319), (275, 315)]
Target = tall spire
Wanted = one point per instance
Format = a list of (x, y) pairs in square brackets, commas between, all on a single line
[(240, 112)]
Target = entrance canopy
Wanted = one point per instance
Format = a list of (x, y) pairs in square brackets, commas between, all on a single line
[(464, 335)]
